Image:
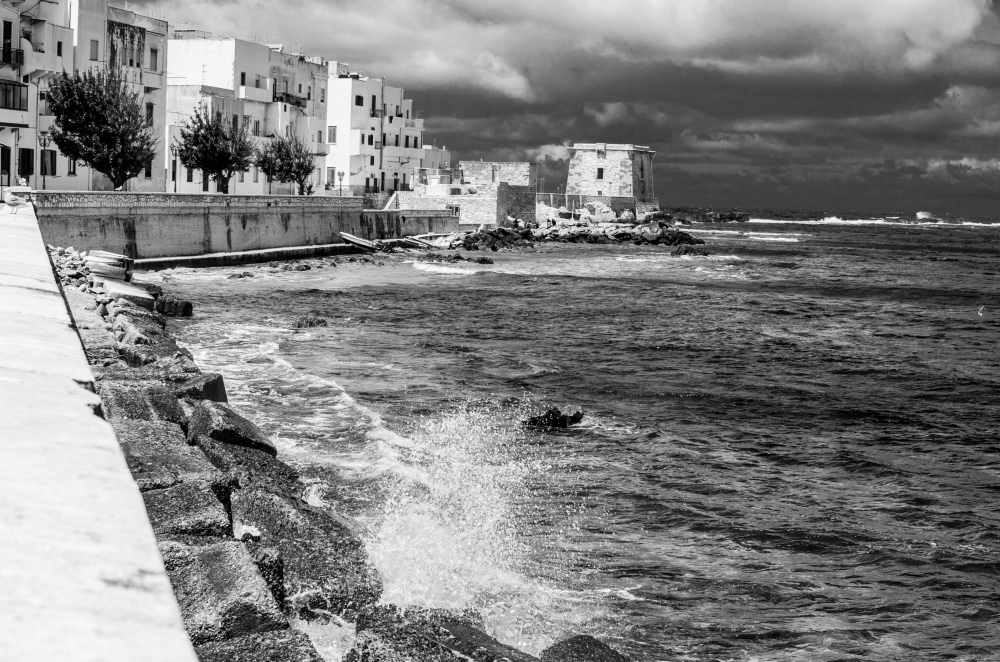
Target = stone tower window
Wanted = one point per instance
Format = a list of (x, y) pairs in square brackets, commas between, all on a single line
[(600, 173)]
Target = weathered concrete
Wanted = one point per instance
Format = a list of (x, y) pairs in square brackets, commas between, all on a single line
[(80, 574), (245, 257)]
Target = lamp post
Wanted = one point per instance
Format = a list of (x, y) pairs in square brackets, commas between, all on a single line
[(340, 176), (44, 139), (173, 165)]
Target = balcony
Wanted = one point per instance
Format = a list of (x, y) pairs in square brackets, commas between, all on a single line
[(10, 55), (375, 112), (254, 93), (289, 98)]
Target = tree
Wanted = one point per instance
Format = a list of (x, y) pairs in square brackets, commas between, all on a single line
[(101, 122), (218, 147), (287, 159)]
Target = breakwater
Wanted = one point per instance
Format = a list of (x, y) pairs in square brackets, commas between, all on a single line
[(153, 225), (258, 568)]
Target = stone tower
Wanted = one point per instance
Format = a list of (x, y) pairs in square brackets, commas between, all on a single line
[(611, 170)]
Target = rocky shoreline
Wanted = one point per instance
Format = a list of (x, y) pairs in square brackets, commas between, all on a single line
[(248, 557)]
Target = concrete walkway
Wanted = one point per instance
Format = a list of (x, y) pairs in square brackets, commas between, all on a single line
[(80, 575)]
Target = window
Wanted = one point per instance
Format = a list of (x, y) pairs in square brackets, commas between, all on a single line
[(285, 86), (397, 140), (374, 103), (288, 130), (319, 136), (407, 114), (246, 121), (600, 193), (359, 100), (256, 127), (173, 170), (149, 114), (149, 169), (371, 139), (13, 96), (243, 78), (600, 173), (383, 140), (236, 122), (242, 177), (372, 160), (93, 49), (58, 49), (256, 175), (309, 93), (131, 56), (415, 142), (331, 175), (25, 162), (154, 59), (406, 142), (256, 83), (190, 174), (322, 95), (300, 88), (204, 181), (331, 135), (49, 162), (71, 167)]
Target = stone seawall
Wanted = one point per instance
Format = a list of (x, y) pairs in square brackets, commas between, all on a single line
[(150, 225), (80, 575)]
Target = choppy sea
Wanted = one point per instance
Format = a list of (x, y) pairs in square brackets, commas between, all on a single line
[(790, 449)]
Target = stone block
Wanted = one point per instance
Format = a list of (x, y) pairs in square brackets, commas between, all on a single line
[(249, 467), (326, 568), (140, 401), (186, 509), (158, 455), (136, 295), (582, 648), (170, 305), (279, 646), (221, 422), (206, 386), (220, 592)]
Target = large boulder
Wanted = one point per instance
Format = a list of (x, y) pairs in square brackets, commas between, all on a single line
[(248, 467), (173, 306), (158, 455), (221, 422), (188, 510), (278, 646), (581, 648), (389, 634), (220, 593), (204, 386), (140, 401), (601, 212), (326, 568)]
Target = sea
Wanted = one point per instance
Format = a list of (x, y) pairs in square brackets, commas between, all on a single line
[(790, 449)]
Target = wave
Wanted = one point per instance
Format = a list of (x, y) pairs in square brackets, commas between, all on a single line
[(442, 269), (836, 220)]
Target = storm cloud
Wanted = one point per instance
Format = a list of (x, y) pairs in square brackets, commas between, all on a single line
[(835, 104)]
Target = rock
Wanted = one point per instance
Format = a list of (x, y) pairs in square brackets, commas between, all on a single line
[(278, 646), (186, 509), (387, 633), (249, 467), (483, 260), (627, 216), (205, 386), (245, 274), (687, 249), (170, 305), (158, 455), (140, 401), (581, 648), (309, 322), (221, 422), (163, 350), (601, 212), (564, 213), (326, 568), (123, 307), (136, 295), (302, 267), (220, 592), (269, 563), (553, 418)]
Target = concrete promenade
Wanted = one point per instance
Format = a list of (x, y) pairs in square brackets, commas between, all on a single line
[(80, 575)]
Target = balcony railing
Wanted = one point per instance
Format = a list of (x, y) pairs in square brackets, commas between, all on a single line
[(289, 98), (375, 112), (11, 55)]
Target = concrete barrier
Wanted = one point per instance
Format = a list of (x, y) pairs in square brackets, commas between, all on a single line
[(151, 225), (80, 574)]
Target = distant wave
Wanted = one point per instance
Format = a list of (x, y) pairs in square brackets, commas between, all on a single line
[(836, 220), (442, 269)]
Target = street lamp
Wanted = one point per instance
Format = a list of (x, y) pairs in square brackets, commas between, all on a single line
[(44, 139), (173, 165), (340, 176)]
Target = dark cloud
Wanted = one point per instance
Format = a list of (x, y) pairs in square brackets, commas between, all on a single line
[(836, 103)]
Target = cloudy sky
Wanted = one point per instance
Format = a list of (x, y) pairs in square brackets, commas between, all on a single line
[(835, 104)]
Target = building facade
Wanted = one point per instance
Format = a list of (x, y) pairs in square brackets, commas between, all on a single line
[(375, 138), (615, 170), (273, 92), (488, 175)]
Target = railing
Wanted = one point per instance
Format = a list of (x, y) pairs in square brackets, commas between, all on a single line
[(288, 97), (375, 112), (11, 55), (38, 47)]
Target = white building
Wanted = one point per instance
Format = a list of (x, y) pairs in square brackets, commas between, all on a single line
[(273, 92), (375, 139)]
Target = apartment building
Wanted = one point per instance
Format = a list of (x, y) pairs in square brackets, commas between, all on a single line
[(273, 92), (375, 138)]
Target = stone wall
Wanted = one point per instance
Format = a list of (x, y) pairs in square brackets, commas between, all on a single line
[(517, 202), (145, 225), (487, 176), (473, 209), (574, 202), (394, 223)]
